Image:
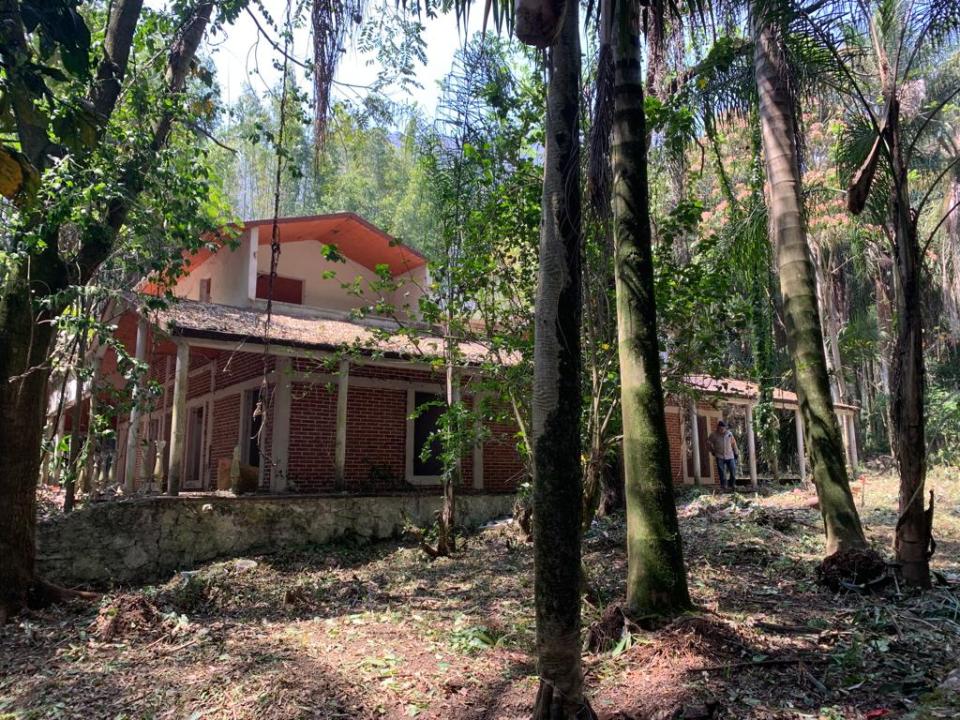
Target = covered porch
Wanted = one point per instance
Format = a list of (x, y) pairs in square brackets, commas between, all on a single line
[(735, 401)]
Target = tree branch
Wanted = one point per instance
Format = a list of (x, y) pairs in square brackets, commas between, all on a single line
[(98, 243), (121, 27)]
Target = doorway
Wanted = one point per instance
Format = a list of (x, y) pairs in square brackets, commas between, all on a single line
[(193, 472)]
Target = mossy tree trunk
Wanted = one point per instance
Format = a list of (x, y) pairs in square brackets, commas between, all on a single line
[(557, 479), (799, 291), (656, 578)]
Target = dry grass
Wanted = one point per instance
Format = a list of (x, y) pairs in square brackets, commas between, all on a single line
[(381, 632)]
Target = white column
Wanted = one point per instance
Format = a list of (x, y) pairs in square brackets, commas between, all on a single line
[(478, 443), (340, 447), (453, 398), (178, 418), (852, 437), (133, 431), (280, 439), (252, 263), (695, 439), (162, 457), (55, 455), (751, 447), (801, 451)]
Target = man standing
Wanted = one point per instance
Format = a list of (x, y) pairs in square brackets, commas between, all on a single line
[(723, 446)]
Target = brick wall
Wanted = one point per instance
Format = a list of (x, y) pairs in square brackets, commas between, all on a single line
[(376, 438), (677, 449), (503, 467), (313, 421), (226, 431)]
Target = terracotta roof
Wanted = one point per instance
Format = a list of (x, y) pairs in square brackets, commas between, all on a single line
[(745, 389), (212, 321)]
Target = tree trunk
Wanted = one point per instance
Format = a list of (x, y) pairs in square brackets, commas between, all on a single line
[(656, 579), (557, 481), (24, 344), (907, 376), (799, 292)]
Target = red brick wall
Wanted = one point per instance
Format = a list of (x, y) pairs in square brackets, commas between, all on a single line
[(376, 438), (235, 367), (313, 421), (503, 467), (677, 450), (226, 431)]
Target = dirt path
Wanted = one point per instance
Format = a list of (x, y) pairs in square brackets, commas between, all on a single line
[(381, 632)]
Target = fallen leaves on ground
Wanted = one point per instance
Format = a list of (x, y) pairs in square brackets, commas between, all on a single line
[(354, 631)]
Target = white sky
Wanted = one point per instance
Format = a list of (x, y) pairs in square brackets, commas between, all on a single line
[(241, 59)]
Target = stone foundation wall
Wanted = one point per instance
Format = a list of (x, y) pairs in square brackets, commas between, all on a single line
[(145, 540)]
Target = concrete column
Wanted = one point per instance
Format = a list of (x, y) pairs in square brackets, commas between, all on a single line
[(92, 473), (478, 444), (161, 470), (852, 437), (695, 439), (340, 446), (56, 457), (751, 447), (280, 442), (178, 419), (453, 398), (801, 450), (252, 263), (133, 430)]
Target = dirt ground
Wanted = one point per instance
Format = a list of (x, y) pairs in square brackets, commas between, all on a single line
[(382, 632)]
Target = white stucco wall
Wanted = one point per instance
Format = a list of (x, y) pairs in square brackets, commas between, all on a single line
[(228, 273), (302, 260)]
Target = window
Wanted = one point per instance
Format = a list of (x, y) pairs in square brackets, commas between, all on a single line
[(204, 290), (285, 290), (424, 425)]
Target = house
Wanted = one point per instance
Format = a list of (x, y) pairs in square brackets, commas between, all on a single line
[(325, 397)]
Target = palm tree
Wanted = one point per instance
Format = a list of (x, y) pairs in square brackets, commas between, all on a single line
[(896, 45), (656, 578), (777, 115)]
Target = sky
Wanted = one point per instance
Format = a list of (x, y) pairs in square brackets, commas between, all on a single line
[(241, 59)]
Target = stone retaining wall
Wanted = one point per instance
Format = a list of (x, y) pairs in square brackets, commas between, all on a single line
[(145, 540)]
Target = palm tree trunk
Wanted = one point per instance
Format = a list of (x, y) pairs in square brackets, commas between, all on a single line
[(799, 292), (557, 480), (907, 377), (656, 579)]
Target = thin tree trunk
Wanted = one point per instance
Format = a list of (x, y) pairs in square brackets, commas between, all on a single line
[(799, 293), (557, 481), (656, 579), (907, 377)]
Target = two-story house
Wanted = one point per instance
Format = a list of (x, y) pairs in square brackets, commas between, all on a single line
[(323, 399), (326, 398)]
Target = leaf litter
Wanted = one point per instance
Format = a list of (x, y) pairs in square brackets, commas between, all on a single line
[(379, 631)]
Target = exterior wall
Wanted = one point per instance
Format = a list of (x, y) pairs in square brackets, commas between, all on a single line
[(675, 440), (147, 539), (227, 271), (313, 423), (304, 261)]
